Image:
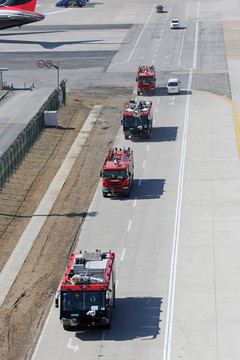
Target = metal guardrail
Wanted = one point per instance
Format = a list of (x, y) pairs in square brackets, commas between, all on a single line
[(18, 149)]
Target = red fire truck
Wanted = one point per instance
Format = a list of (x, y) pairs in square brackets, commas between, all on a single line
[(117, 172), (137, 119), (146, 79), (87, 293)]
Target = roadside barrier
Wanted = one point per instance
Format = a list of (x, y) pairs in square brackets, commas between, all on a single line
[(18, 149)]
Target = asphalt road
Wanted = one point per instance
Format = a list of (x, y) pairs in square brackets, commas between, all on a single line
[(176, 237)]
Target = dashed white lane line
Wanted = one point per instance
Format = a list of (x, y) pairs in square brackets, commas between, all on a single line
[(156, 110), (129, 225), (123, 253), (25, 243), (144, 163), (148, 147), (139, 182), (135, 202)]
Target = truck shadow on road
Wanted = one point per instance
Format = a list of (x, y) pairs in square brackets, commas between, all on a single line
[(144, 189), (159, 134), (133, 317)]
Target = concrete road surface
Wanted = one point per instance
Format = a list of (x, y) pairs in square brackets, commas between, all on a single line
[(176, 237)]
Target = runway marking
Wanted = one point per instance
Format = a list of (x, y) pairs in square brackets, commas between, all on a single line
[(183, 38), (14, 117), (146, 24)]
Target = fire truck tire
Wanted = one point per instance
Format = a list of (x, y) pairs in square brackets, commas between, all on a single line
[(104, 195), (67, 327), (126, 137)]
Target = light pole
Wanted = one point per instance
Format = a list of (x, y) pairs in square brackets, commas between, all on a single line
[(1, 76)]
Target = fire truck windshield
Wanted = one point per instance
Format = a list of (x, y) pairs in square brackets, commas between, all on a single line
[(145, 79), (115, 174), (133, 121), (74, 301)]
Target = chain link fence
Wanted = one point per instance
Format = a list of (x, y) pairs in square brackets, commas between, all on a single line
[(16, 151)]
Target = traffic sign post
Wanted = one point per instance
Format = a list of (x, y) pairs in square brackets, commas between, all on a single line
[(48, 64)]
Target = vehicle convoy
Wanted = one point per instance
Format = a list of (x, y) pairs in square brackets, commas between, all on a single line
[(146, 79), (137, 119), (117, 172), (87, 293)]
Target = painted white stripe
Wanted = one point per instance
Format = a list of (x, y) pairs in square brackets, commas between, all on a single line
[(144, 163), (123, 253), (129, 225), (148, 147), (173, 269), (24, 245), (139, 182), (131, 54), (156, 110), (135, 202)]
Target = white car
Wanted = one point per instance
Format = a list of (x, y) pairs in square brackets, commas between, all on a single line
[(175, 24), (173, 86)]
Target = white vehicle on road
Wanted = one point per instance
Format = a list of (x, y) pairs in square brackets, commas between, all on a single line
[(175, 24), (173, 86)]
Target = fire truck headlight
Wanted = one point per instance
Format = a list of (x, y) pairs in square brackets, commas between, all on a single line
[(125, 187)]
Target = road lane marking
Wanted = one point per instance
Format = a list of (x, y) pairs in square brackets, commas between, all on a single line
[(123, 253), (144, 163), (129, 226), (173, 267), (139, 182), (135, 202), (235, 115), (148, 147), (14, 116), (72, 347)]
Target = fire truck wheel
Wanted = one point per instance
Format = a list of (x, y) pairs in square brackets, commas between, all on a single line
[(66, 327), (126, 137), (104, 195)]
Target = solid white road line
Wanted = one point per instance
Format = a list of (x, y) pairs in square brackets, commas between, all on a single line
[(173, 269)]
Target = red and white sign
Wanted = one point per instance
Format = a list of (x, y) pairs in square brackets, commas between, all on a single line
[(48, 64), (40, 63)]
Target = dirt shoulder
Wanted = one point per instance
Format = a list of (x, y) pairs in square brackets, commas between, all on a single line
[(24, 311)]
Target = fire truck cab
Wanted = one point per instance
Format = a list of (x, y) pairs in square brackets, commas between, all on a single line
[(87, 293), (137, 119), (146, 79), (117, 172)]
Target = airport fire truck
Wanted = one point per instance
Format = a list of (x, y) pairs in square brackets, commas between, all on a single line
[(146, 79), (137, 119), (87, 293), (117, 172)]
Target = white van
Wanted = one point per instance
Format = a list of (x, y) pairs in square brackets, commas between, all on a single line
[(173, 86)]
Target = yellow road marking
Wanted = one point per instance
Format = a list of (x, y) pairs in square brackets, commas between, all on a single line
[(13, 117), (235, 114)]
